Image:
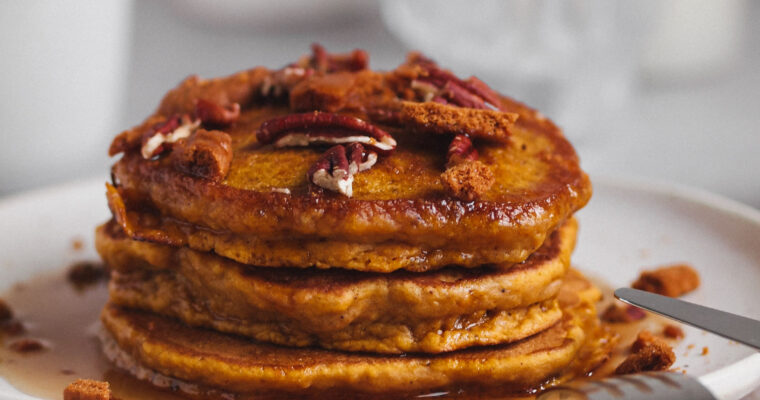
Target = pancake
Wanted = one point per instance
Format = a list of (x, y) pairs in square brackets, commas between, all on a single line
[(332, 299), (165, 294), (348, 310), (384, 257), (145, 343), (265, 212)]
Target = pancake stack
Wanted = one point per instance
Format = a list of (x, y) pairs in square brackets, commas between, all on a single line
[(325, 227)]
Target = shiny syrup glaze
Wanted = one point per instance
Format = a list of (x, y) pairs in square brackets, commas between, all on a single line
[(66, 320)]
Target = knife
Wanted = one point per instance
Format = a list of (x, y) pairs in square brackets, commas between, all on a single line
[(731, 326)]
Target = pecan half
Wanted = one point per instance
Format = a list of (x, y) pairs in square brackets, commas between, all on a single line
[(214, 115), (472, 93), (336, 168), (319, 127), (158, 139), (206, 154)]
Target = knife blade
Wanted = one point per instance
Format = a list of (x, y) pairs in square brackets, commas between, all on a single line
[(731, 326)]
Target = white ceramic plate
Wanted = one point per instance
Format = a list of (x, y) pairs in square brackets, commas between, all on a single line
[(628, 225)]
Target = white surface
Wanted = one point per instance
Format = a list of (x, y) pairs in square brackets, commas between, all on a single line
[(627, 225), (62, 87)]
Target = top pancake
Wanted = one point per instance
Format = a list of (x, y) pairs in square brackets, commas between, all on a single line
[(401, 199)]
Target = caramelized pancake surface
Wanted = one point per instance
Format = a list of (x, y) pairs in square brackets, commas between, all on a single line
[(243, 366)]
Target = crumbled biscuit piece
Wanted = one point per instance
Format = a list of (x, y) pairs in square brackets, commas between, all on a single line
[(468, 181), (85, 273), (673, 331), (705, 351), (206, 154), (5, 311), (671, 281), (626, 313), (649, 353), (339, 91), (644, 339), (26, 345), (87, 389), (446, 119)]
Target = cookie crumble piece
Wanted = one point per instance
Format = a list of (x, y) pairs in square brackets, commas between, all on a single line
[(672, 280), (649, 353), (468, 181), (87, 389)]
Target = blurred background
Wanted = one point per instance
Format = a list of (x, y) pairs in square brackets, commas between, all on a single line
[(664, 90)]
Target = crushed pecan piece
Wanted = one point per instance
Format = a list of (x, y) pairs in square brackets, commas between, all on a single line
[(214, 115), (673, 331), (336, 168), (206, 154), (331, 171), (85, 273), (87, 389), (320, 127), (358, 159), (468, 181), (623, 313), (156, 140), (26, 345), (461, 150), (649, 353), (432, 117), (672, 281)]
